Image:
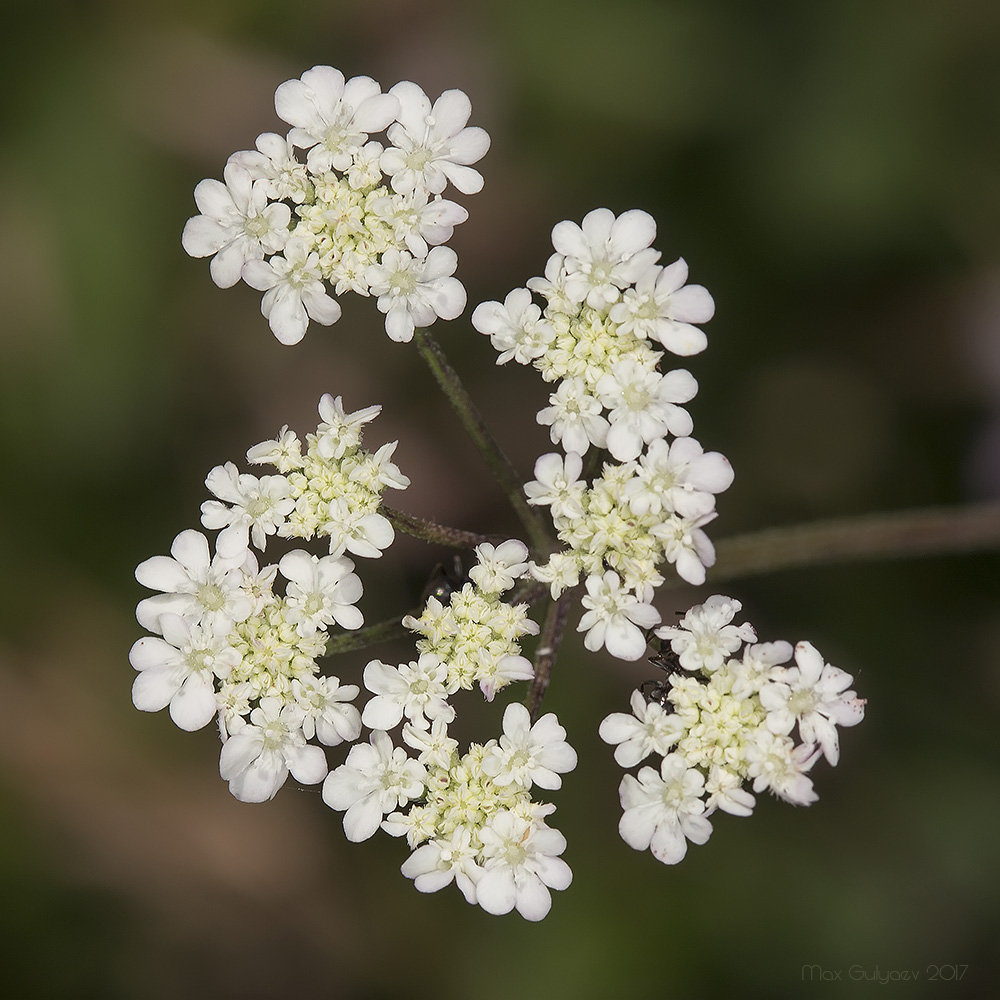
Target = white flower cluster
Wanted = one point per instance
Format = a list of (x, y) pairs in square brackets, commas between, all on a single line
[(469, 819), (227, 644), (720, 721), (607, 301), (356, 215), (475, 636)]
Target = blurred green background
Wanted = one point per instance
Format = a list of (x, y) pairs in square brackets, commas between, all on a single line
[(830, 170)]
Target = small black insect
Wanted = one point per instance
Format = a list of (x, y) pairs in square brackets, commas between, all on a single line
[(445, 580), (658, 690)]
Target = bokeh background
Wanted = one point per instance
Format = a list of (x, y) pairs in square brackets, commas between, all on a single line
[(831, 171)]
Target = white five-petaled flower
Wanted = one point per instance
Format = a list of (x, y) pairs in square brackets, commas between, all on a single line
[(530, 754), (293, 289), (274, 161), (436, 864), (320, 592), (414, 291), (574, 417), (375, 779), (649, 729), (179, 670), (432, 145), (257, 759), (499, 565), (521, 864), (328, 712), (704, 637), (678, 477), (664, 811), (361, 534), (418, 689), (332, 118), (557, 483), (515, 328), (658, 307), (605, 254), (615, 618), (815, 694), (237, 224), (339, 431), (196, 585), (257, 508), (642, 406)]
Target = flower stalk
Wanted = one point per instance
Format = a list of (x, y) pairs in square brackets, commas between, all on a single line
[(501, 467), (897, 534)]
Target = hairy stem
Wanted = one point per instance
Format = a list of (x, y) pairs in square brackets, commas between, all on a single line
[(545, 654), (965, 528), (431, 531), (370, 635), (484, 441)]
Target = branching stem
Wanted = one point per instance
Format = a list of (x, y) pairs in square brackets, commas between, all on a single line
[(472, 421), (545, 655)]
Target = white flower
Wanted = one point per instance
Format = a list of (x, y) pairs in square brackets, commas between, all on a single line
[(237, 224), (775, 763), (375, 779), (293, 291), (574, 417), (418, 689), (521, 864), (515, 328), (615, 618), (431, 145), (274, 162), (606, 254), (663, 811), (435, 746), (328, 716), (726, 792), (499, 565), (815, 695), (320, 592), (642, 405), (530, 754), (678, 477), (502, 672), (557, 482), (659, 308), (415, 291), (704, 637), (362, 534), (649, 729), (258, 508), (418, 220), (332, 118), (196, 585), (283, 452), (257, 759), (180, 670), (339, 431), (443, 860), (687, 546)]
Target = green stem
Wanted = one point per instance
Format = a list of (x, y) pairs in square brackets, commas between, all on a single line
[(431, 531), (370, 635), (944, 530), (472, 421), (545, 654)]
